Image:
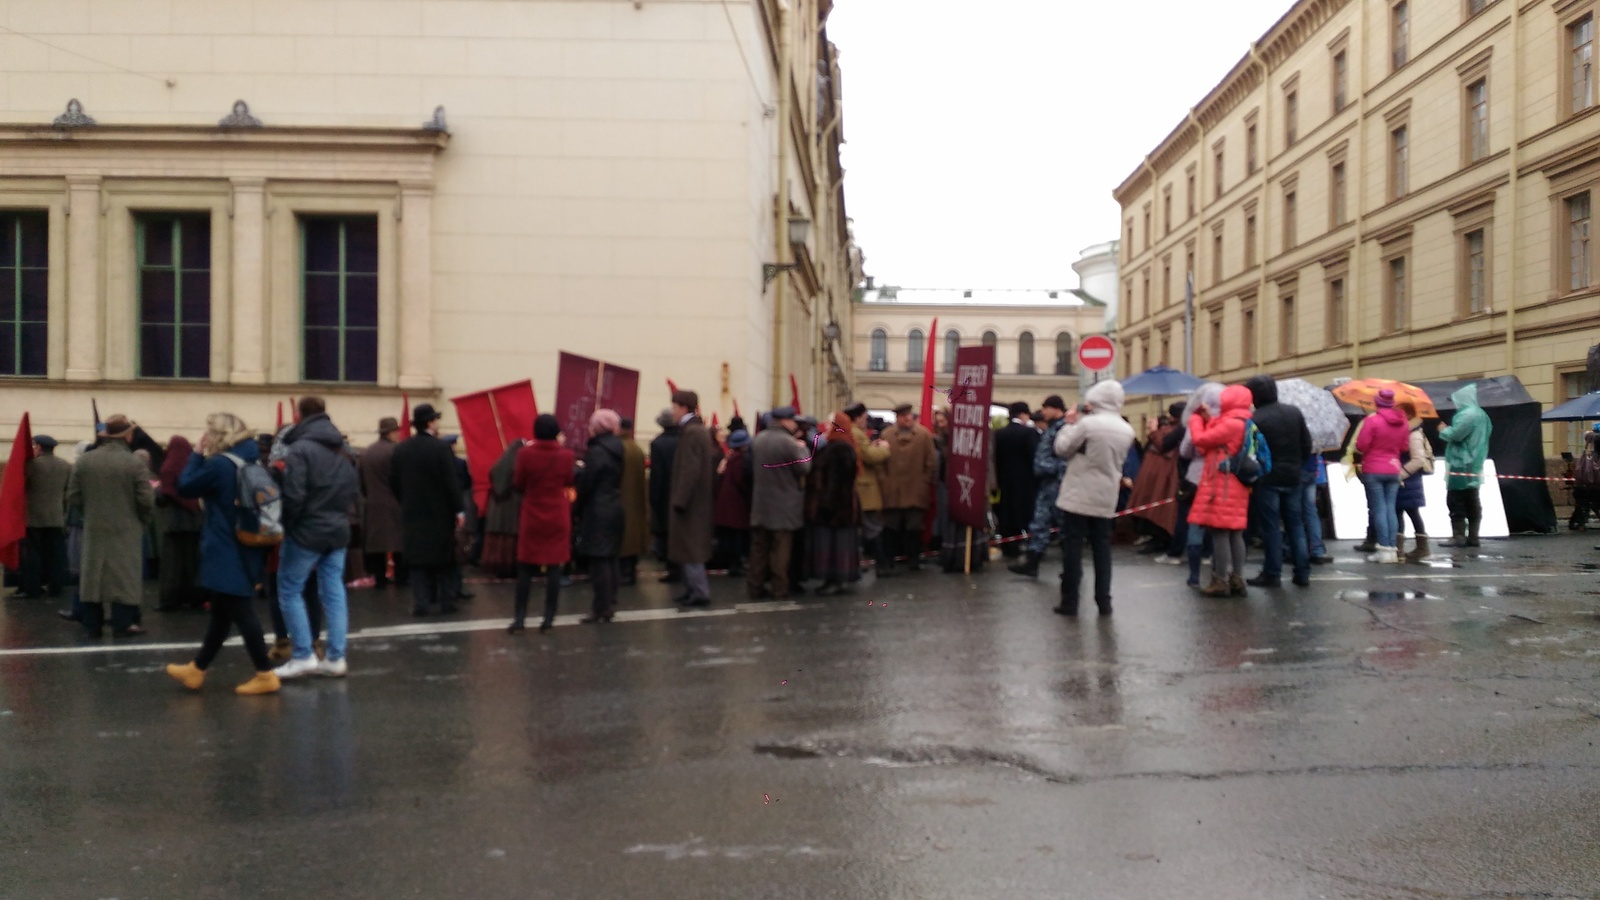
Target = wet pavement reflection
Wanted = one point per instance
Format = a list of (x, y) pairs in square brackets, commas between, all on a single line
[(1422, 730)]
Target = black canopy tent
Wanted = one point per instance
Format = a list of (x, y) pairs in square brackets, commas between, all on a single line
[(1516, 445)]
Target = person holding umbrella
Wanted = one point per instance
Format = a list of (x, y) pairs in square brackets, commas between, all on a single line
[(1385, 435)]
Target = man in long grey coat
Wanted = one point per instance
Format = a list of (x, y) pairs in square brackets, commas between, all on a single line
[(689, 520), (111, 488), (381, 530), (779, 462)]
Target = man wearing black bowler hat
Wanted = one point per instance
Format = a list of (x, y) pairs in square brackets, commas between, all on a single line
[(423, 477)]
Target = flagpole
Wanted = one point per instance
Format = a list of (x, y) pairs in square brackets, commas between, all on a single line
[(1188, 325)]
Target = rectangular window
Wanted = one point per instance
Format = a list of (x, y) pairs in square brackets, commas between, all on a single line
[(1250, 152), (1337, 191), (1130, 299), (340, 293), (1216, 170), (174, 259), (1216, 256), (1130, 239), (1291, 117), (1166, 347), (1580, 37), (1399, 162), (1291, 218), (1147, 226), (1578, 242), (24, 292), (1400, 33), (1396, 301), (1249, 241), (1166, 210), (1166, 282), (1341, 81), (1247, 338), (1287, 327), (1336, 311), (1216, 344), (1188, 265), (1476, 6), (1145, 284), (1189, 190), (1477, 120), (1475, 265)]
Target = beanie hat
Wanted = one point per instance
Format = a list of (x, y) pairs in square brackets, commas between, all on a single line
[(546, 427), (1386, 399)]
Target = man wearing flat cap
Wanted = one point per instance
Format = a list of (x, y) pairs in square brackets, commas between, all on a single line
[(423, 478), (44, 558), (111, 489), (779, 462), (869, 488), (907, 486), (382, 533)]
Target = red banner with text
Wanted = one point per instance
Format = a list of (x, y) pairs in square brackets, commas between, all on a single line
[(967, 470), (584, 385)]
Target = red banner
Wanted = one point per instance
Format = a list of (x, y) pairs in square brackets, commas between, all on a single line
[(967, 470), (490, 421), (14, 498), (584, 385)]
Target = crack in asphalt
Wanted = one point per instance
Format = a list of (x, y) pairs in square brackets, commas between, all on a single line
[(950, 755), (1415, 891), (1380, 620)]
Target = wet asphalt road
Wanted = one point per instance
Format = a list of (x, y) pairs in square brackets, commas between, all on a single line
[(1403, 731)]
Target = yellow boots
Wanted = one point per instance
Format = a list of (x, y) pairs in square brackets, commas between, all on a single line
[(192, 677), (189, 675), (263, 683)]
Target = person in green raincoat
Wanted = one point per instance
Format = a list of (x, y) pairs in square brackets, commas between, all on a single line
[(1466, 441)]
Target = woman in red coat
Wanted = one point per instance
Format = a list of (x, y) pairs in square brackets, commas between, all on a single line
[(544, 471), (1222, 503)]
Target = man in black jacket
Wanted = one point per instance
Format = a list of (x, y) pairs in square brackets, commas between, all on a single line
[(1013, 460), (1277, 496), (319, 488), (663, 451), (423, 477)]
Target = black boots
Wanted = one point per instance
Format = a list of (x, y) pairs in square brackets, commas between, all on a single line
[(1463, 533), (1029, 565)]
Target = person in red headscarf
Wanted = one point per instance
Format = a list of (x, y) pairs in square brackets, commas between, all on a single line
[(833, 511)]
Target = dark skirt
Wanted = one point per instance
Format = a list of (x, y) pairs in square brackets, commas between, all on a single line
[(180, 569), (833, 554), (499, 557)]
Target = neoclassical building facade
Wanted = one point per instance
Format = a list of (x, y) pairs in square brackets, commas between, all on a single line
[(245, 201), (1386, 188)]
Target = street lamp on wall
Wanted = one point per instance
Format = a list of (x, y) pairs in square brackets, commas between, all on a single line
[(799, 236)]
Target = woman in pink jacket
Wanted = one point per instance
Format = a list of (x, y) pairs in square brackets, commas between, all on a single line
[(1385, 435), (1222, 504)]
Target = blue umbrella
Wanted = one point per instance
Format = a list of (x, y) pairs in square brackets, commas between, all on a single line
[(1160, 381), (1579, 410)]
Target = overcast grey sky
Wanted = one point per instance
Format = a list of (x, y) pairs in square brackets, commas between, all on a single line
[(984, 139)]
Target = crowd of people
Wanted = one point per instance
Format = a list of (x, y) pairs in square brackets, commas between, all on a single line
[(299, 516)]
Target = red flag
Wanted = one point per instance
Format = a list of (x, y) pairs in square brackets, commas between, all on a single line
[(490, 420), (584, 385), (736, 409), (794, 394), (671, 387), (405, 410), (14, 498), (280, 418), (715, 422), (927, 422)]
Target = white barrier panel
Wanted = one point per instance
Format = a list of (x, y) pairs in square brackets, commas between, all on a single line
[(1349, 500)]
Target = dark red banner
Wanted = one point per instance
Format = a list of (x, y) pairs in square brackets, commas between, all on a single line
[(490, 421), (584, 385), (967, 469)]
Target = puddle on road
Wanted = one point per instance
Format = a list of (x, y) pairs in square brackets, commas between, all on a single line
[(1386, 596), (1492, 590)]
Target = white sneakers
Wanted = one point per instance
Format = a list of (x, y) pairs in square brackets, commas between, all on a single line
[(1385, 555), (298, 668)]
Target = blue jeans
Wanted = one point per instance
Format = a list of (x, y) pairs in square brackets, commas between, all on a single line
[(1381, 491), (1280, 508), (1313, 521), (295, 565)]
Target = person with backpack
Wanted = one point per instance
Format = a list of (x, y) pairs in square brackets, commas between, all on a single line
[(230, 569), (1417, 462), (1278, 496), (320, 484), (1222, 502), (1385, 436)]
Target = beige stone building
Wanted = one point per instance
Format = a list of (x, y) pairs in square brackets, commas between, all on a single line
[(653, 183), (1387, 188), (1035, 335)]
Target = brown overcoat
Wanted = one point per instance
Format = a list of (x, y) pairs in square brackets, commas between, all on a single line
[(869, 487), (635, 501), (381, 529), (908, 474), (689, 521), (111, 488)]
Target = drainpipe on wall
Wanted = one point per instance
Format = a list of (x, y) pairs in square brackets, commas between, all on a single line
[(1513, 160), (1355, 276), (782, 254), (1263, 205), (1190, 363)]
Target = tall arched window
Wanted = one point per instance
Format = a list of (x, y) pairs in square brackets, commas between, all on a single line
[(1063, 354), (880, 350), (1025, 353), (914, 350), (952, 343), (990, 339)]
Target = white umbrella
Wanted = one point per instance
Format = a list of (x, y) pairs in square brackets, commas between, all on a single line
[(1324, 417)]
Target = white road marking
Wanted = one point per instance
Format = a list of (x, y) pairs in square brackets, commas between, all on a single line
[(426, 628)]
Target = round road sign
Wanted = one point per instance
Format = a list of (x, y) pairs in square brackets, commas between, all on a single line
[(1097, 352)]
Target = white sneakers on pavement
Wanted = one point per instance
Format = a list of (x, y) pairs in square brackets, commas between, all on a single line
[(297, 668), (333, 668)]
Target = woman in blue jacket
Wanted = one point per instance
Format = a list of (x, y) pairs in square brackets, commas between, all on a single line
[(229, 571)]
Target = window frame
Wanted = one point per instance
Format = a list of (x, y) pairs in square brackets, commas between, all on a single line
[(1144, 277), (1571, 19), (302, 220), (1025, 355), (142, 221), (1248, 331), (1218, 251), (878, 350), (1335, 302), (1339, 72), (1252, 143), (1251, 234), (1166, 210), (1063, 363), (1567, 242), (1397, 299), (15, 216), (1215, 320), (1291, 111), (1469, 12), (1397, 151), (916, 350), (1219, 158), (1288, 325), (1568, 437), (1166, 281), (1290, 187), (952, 343), (1191, 189), (1476, 219), (1399, 34), (1339, 186)]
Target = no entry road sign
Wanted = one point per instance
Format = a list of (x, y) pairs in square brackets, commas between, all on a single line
[(1097, 352)]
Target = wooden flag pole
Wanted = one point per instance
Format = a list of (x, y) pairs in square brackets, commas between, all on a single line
[(967, 564)]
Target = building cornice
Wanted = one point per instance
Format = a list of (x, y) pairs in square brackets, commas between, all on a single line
[(207, 136)]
